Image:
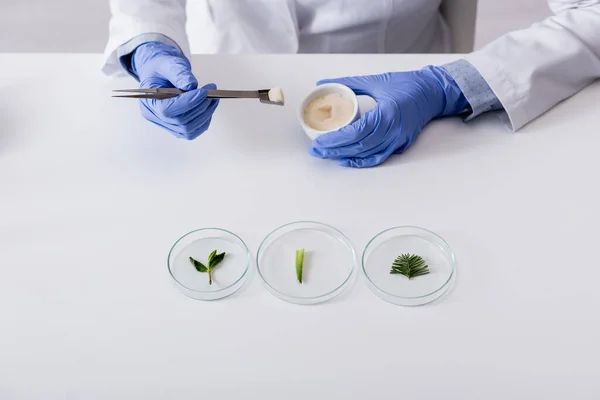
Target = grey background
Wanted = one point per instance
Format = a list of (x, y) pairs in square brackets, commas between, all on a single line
[(82, 25)]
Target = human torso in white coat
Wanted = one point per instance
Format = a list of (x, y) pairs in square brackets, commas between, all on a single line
[(528, 70), (316, 26)]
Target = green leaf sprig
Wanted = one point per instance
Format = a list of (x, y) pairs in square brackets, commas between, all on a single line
[(213, 260), (409, 265)]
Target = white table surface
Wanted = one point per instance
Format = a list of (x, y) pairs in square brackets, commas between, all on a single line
[(92, 197)]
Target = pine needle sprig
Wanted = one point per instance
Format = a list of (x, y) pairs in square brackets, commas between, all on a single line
[(409, 265)]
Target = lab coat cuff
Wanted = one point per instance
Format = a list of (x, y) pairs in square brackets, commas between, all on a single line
[(124, 44), (124, 51), (475, 89), (499, 81)]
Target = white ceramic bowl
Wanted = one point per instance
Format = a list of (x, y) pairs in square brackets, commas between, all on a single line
[(321, 91)]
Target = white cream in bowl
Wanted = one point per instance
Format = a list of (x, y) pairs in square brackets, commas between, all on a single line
[(328, 108)]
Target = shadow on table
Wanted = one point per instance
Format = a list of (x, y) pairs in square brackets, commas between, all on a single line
[(348, 291), (451, 137), (245, 291), (8, 115), (471, 275)]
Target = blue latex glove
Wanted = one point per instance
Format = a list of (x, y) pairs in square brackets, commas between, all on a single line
[(406, 102), (158, 65)]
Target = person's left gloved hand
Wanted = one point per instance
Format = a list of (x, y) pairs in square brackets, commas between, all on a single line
[(406, 102)]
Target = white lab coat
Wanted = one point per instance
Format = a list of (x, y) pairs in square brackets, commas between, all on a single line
[(529, 70), (284, 26)]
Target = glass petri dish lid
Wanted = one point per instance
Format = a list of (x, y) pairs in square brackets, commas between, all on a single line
[(329, 262), (382, 250), (227, 278)]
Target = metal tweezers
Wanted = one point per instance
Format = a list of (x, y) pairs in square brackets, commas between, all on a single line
[(167, 93)]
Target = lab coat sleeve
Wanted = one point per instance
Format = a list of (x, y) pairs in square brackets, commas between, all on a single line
[(533, 69), (133, 19)]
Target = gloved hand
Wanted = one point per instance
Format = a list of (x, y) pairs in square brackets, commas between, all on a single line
[(188, 115), (406, 102)]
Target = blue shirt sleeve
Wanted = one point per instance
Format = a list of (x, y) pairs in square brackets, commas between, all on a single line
[(475, 89)]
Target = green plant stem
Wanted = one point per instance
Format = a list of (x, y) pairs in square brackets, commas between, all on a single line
[(299, 264)]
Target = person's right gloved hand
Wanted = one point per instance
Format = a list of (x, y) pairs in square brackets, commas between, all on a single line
[(158, 65)]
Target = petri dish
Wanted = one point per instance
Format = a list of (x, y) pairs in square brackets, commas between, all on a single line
[(329, 261), (227, 277), (382, 250)]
